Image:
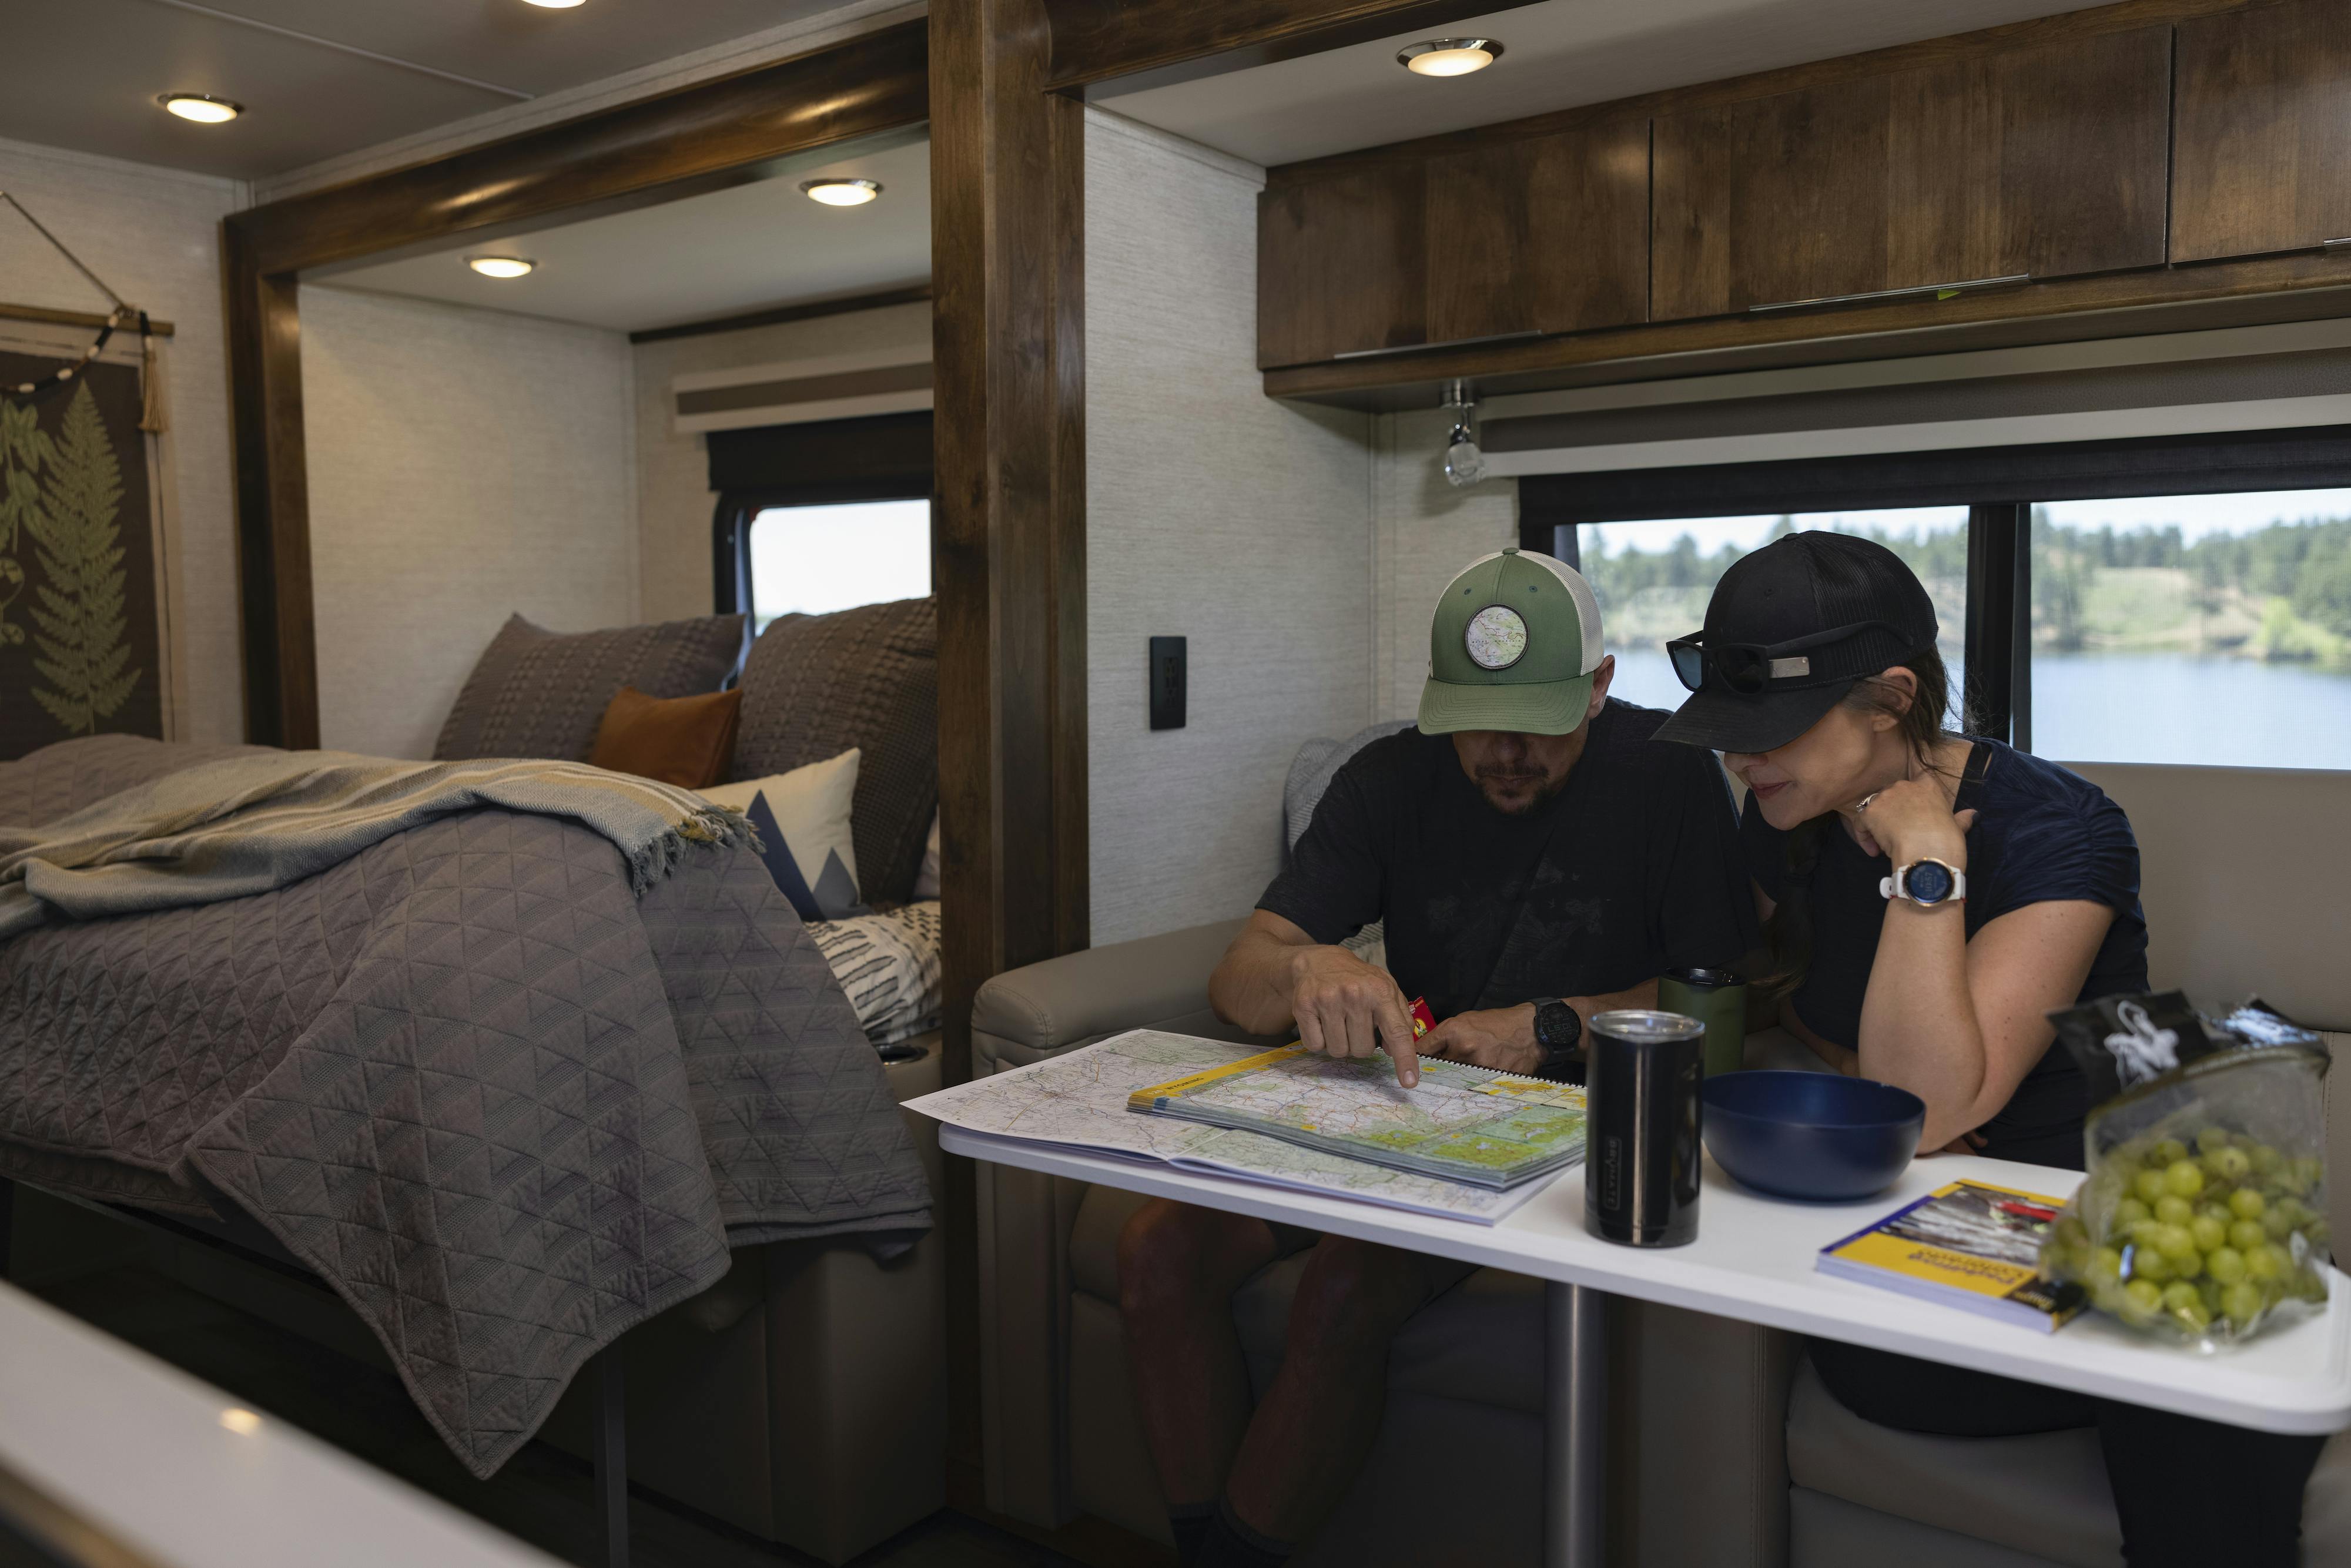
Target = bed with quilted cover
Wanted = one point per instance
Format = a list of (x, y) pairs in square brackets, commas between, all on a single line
[(505, 1105)]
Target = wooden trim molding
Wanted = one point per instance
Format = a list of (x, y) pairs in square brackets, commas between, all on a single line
[(913, 294), (637, 153)]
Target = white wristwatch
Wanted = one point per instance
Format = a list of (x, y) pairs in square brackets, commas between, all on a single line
[(1929, 883)]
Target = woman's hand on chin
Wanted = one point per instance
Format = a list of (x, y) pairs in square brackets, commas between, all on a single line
[(1913, 821)]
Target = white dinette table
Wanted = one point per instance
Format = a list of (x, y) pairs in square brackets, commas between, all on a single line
[(1753, 1261)]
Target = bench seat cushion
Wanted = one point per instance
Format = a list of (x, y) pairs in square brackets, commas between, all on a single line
[(2044, 1495)]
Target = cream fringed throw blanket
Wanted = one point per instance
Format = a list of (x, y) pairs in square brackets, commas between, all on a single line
[(248, 824)]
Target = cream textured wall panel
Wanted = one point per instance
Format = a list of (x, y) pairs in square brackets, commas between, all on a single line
[(1427, 531), (674, 499), (1213, 513), (154, 234), (464, 465)]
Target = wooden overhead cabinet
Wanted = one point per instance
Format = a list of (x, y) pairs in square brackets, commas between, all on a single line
[(1543, 234), (2040, 162), (2262, 151)]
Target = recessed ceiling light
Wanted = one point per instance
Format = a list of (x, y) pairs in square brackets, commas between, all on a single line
[(1450, 56), (201, 107), (842, 192), (554, 5), (500, 265)]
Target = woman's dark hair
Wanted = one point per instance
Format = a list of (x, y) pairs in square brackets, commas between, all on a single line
[(1919, 719)]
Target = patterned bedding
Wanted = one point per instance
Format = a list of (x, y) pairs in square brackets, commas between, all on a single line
[(888, 963), (503, 1104)]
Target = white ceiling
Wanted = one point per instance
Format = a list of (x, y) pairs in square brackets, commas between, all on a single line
[(1557, 55), (84, 74), (745, 248)]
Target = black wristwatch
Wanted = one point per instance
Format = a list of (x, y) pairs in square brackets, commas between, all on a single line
[(1558, 1033)]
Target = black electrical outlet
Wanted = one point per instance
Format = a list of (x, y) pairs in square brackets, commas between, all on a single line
[(1167, 683)]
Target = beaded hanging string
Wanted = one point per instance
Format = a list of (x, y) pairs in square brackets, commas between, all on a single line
[(151, 414)]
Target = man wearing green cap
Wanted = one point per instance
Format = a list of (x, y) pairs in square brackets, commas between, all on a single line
[(1536, 859)]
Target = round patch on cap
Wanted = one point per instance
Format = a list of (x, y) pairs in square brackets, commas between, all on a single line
[(1496, 637)]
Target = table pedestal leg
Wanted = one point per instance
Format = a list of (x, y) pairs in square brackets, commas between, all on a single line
[(1576, 1410)]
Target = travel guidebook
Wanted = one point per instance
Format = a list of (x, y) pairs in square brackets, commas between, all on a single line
[(1461, 1124), (1966, 1245)]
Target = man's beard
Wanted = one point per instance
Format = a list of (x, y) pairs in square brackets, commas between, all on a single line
[(1544, 788)]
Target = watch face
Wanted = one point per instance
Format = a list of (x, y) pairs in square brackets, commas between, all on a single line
[(1929, 881)]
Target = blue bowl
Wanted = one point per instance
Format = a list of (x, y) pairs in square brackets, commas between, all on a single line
[(1816, 1135)]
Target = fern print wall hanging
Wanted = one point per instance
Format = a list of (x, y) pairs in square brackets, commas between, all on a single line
[(79, 633)]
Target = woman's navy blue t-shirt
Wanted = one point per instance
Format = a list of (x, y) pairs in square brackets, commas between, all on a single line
[(2041, 834)]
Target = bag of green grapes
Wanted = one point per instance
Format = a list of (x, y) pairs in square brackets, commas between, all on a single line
[(2204, 1215)]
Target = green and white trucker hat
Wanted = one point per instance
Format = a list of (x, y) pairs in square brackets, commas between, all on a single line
[(1513, 646)]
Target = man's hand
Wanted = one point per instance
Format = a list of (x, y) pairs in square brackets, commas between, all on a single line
[(1500, 1038), (1344, 1006)]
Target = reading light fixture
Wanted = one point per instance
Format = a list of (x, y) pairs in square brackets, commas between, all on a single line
[(842, 192), (552, 5), (501, 266), (201, 107), (1450, 56), (1464, 463)]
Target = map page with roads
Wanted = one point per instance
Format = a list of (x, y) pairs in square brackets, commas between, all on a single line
[(1461, 1122), (1079, 1099)]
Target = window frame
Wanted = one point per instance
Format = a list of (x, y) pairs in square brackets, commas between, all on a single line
[(1998, 486)]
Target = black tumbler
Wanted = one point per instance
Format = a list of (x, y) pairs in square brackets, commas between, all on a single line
[(1641, 1158)]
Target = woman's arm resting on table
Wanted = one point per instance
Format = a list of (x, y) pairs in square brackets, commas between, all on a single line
[(1959, 1024)]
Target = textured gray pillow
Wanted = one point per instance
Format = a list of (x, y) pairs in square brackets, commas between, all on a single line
[(536, 693), (1311, 771), (816, 686)]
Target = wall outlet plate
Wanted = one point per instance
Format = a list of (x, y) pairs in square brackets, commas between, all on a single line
[(1167, 683)]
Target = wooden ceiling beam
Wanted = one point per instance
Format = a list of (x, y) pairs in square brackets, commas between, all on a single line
[(1139, 44)]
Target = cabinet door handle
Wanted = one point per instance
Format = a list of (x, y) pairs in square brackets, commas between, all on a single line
[(1940, 290), (1449, 343)]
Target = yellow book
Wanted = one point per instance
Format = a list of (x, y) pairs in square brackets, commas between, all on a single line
[(1968, 1244)]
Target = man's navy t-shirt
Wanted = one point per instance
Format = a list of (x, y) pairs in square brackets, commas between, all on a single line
[(1632, 868), (2041, 834)]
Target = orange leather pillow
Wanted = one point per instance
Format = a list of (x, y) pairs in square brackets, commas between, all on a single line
[(685, 741)]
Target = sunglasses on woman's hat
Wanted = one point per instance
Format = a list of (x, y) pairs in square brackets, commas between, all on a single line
[(1749, 668)]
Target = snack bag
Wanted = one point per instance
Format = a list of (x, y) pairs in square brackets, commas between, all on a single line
[(2204, 1215)]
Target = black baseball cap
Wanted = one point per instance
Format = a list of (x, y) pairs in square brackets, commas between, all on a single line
[(1797, 622)]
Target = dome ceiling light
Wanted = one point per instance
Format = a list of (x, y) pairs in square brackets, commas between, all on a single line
[(501, 266), (842, 192), (204, 108), (1450, 56)]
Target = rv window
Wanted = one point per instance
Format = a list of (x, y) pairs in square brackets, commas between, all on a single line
[(2194, 629), (1653, 578), (815, 559)]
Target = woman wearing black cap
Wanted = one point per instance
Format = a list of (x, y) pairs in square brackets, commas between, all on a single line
[(1936, 895)]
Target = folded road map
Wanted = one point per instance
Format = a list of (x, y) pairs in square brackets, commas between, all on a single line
[(1459, 1123), (1080, 1100)]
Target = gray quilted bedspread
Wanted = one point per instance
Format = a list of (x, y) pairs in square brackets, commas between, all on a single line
[(505, 1106)]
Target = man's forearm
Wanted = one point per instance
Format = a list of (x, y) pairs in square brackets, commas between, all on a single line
[(1643, 995), (1251, 988)]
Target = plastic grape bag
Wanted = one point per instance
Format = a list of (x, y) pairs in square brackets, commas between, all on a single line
[(2203, 1218)]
